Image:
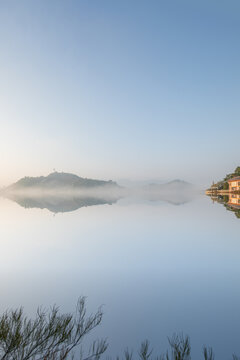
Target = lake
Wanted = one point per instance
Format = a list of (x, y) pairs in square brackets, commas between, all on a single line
[(157, 268)]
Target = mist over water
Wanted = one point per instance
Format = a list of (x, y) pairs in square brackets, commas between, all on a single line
[(160, 261), (67, 198)]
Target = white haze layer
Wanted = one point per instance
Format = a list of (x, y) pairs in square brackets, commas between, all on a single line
[(175, 193)]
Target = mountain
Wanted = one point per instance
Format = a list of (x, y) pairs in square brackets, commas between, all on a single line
[(174, 185), (62, 192), (58, 180)]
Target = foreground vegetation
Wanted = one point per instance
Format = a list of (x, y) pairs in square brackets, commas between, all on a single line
[(55, 336)]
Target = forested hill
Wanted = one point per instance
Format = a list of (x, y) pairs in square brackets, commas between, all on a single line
[(223, 184), (60, 180)]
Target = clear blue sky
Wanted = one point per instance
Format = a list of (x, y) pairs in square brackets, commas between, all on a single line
[(120, 89)]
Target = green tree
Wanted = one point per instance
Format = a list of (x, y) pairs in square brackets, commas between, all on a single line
[(225, 186), (180, 349), (50, 336), (237, 171), (237, 213)]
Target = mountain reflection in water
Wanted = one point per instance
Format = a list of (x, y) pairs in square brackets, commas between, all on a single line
[(59, 204)]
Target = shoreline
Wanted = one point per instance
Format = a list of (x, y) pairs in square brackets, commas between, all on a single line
[(221, 192)]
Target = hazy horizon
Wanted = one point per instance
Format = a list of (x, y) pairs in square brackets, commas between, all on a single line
[(122, 181), (126, 182), (119, 90)]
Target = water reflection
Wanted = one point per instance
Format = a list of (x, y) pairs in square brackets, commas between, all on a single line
[(230, 201), (59, 204), (234, 201), (156, 267)]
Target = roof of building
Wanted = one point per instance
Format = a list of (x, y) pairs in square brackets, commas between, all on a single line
[(234, 179)]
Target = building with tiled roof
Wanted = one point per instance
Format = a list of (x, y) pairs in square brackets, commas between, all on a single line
[(234, 184)]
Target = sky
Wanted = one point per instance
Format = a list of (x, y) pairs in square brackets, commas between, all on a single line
[(129, 89)]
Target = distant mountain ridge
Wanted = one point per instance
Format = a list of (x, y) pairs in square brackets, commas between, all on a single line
[(64, 192), (60, 180), (179, 185)]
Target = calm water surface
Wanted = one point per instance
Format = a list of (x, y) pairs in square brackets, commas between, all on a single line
[(158, 268)]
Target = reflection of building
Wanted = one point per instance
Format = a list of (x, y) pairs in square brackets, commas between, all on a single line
[(234, 201), (234, 184), (231, 201)]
